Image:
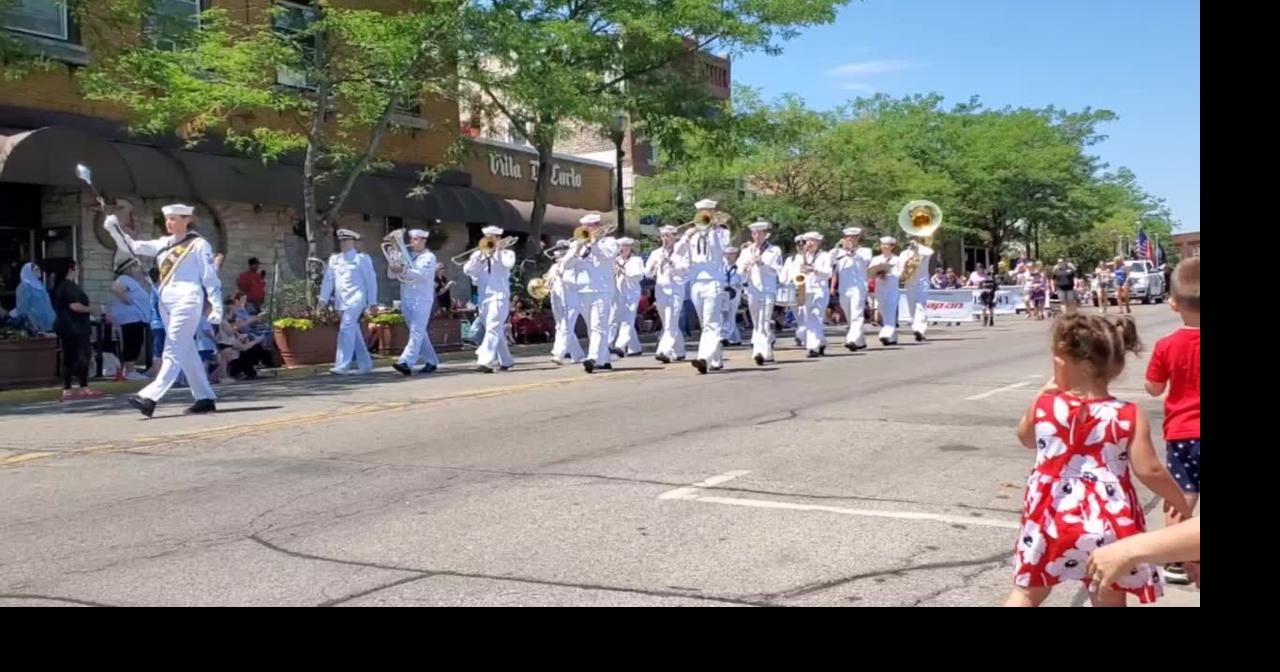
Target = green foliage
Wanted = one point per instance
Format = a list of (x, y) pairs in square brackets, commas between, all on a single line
[(388, 319), (298, 323)]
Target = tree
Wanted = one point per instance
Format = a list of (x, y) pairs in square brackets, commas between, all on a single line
[(544, 64), (323, 82)]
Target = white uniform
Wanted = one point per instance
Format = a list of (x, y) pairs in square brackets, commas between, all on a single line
[(851, 274), (417, 298), (705, 250), (887, 296), (626, 303), (593, 268), (918, 292), (182, 297), (349, 281), (492, 277), (670, 272), (760, 282), (791, 268), (565, 308), (729, 303), (817, 297)]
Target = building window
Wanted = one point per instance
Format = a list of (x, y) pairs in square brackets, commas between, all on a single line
[(173, 22), (46, 18), (290, 21), (515, 137)]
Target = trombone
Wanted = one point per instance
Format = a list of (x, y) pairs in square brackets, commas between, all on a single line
[(584, 234), (487, 247)]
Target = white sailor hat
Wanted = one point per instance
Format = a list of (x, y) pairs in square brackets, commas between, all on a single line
[(491, 231), (888, 240), (731, 250), (419, 233), (852, 231), (667, 230), (178, 210), (813, 235), (799, 237), (626, 241), (760, 226), (706, 204), (348, 234), (593, 218)]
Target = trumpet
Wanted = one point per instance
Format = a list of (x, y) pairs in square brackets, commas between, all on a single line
[(550, 252), (487, 247)]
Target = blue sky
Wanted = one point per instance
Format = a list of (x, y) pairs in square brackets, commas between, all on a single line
[(1137, 58)]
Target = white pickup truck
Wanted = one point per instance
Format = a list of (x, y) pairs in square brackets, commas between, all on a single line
[(1146, 282)]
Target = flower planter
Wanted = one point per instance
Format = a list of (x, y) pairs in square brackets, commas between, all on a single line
[(301, 347), (392, 338), (28, 362), (445, 333)]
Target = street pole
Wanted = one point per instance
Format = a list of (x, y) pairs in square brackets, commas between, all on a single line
[(618, 133)]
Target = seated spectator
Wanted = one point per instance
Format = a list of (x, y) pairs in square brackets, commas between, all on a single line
[(939, 279), (35, 306), (238, 353), (953, 280)]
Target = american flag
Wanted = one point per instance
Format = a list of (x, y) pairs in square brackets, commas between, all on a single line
[(1142, 250)]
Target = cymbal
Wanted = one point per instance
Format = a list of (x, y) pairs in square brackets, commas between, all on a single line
[(877, 269)]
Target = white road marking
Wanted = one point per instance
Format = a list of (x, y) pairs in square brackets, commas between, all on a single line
[(692, 493), (998, 390)]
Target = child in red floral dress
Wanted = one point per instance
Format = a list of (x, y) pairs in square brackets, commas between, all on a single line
[(1080, 495)]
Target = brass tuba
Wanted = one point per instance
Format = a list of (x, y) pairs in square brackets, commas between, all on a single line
[(919, 219), (396, 253)]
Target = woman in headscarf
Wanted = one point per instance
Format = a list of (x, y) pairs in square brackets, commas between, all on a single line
[(35, 307)]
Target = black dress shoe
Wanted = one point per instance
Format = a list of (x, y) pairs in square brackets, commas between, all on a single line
[(605, 367), (144, 405), (759, 360), (429, 368), (812, 354), (822, 351), (919, 337), (681, 359), (724, 342), (885, 342), (662, 358), (850, 347), (700, 365), (484, 369), (506, 368), (617, 352), (589, 365), (402, 368), (202, 406)]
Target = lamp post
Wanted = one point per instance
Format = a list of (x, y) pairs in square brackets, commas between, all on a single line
[(618, 132)]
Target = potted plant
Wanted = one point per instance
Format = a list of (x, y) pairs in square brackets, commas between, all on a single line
[(303, 334), (391, 331), (27, 359)]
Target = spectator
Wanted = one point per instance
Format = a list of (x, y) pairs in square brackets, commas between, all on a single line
[(953, 280), (1122, 281), (207, 346), (35, 308), (238, 353), (1036, 289), (130, 312), (444, 305), (1174, 544), (1104, 280), (157, 326), (253, 283), (977, 276), (939, 279), (71, 323), (1064, 278)]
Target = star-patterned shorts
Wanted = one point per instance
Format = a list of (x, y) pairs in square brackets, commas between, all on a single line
[(1183, 458)]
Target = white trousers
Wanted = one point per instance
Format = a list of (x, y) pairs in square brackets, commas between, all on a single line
[(417, 315), (596, 308), (705, 295), (670, 303), (565, 308), (493, 350), (917, 298), (815, 333), (760, 304), (181, 354), (887, 298), (853, 301), (627, 338), (729, 317), (351, 342)]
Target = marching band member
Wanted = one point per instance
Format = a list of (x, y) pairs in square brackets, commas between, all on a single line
[(815, 264), (491, 273), (850, 263), (670, 272), (917, 291), (732, 299), (352, 286), (593, 263), (188, 278), (790, 269), (887, 288), (704, 244), (630, 271), (417, 297), (565, 308), (759, 265)]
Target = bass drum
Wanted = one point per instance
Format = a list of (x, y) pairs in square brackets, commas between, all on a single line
[(786, 296)]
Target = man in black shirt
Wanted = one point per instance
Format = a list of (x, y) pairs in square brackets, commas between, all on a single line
[(1064, 277)]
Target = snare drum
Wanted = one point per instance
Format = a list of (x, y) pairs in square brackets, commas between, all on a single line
[(786, 295)]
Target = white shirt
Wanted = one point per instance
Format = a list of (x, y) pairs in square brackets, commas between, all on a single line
[(350, 281), (732, 278), (671, 274), (629, 276), (851, 268), (761, 271), (894, 273), (418, 280), (705, 250), (491, 273), (819, 281), (593, 266), (195, 275)]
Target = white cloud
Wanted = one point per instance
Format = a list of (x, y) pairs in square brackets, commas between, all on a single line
[(871, 68)]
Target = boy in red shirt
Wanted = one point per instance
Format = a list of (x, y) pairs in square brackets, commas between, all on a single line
[(1175, 365)]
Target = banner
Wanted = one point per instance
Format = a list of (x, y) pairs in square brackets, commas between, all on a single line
[(943, 305), (1009, 300)]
